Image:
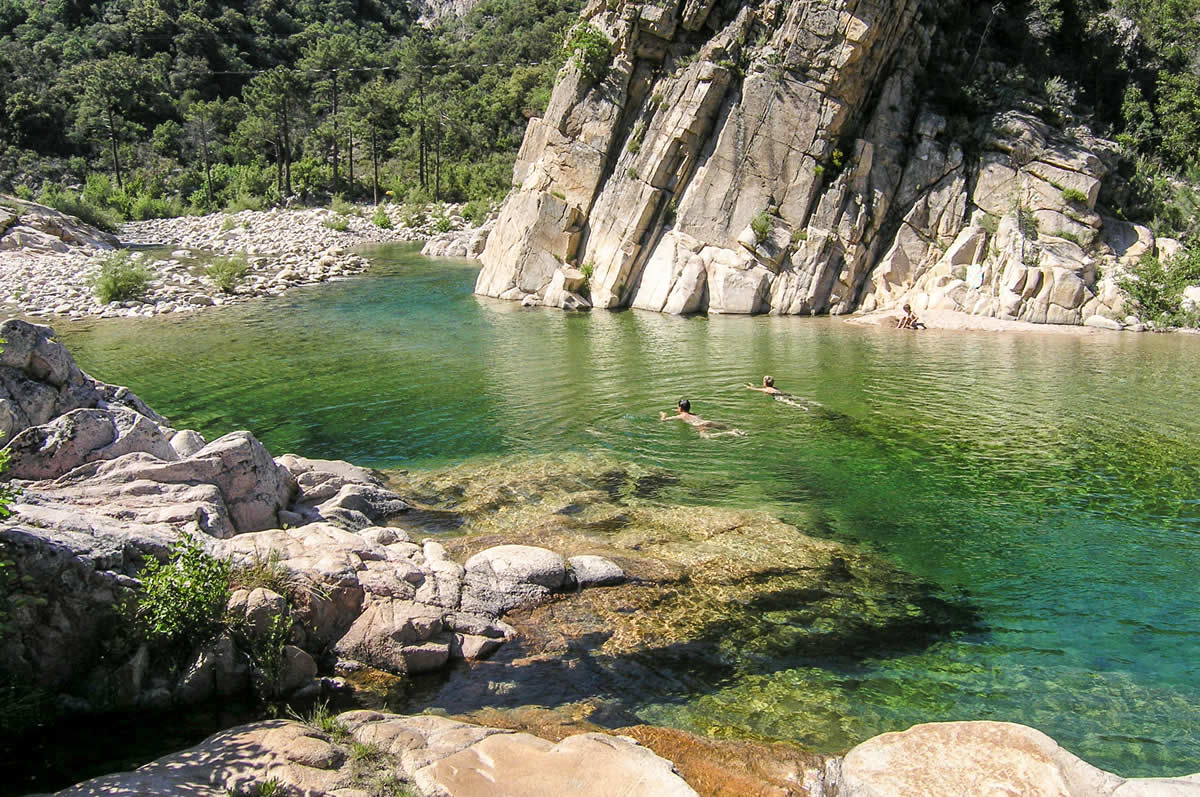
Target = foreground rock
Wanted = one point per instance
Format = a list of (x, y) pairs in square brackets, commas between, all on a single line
[(440, 757), (437, 756), (105, 485), (986, 758), (772, 159)]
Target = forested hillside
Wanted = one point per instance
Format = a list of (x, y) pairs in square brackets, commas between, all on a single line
[(165, 106), (169, 106)]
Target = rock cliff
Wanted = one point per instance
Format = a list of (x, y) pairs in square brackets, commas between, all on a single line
[(777, 157)]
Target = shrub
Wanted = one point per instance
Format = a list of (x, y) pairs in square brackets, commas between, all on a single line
[(1027, 223), (591, 51), (120, 278), (324, 720), (381, 219), (184, 600), (761, 225), (340, 206), (337, 223), (1074, 195), (443, 224), (415, 216), (245, 202), (476, 212), (1156, 285), (228, 272), (74, 205), (798, 235)]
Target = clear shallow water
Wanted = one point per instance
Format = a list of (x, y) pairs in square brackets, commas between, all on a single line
[(1050, 481)]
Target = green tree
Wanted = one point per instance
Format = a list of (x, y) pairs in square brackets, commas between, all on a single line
[(270, 100), (332, 57), (377, 108), (111, 89)]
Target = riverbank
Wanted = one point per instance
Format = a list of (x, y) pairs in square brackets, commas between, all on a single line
[(47, 265)]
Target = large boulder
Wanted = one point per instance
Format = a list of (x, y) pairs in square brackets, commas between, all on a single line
[(985, 758), (40, 381), (510, 576), (81, 436)]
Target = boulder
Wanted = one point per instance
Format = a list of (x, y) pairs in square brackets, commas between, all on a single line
[(49, 450), (585, 765), (509, 576), (595, 571), (984, 758), (392, 635)]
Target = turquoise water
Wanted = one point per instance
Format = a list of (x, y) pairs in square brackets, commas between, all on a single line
[(1048, 481)]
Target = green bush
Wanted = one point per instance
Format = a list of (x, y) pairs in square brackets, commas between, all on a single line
[(1156, 286), (761, 225), (120, 278), (591, 51), (74, 205), (228, 272), (381, 219), (1074, 195), (476, 212), (184, 600), (340, 206), (337, 223), (245, 202), (443, 224), (415, 216)]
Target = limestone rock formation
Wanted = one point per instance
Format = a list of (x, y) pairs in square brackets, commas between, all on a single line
[(773, 157)]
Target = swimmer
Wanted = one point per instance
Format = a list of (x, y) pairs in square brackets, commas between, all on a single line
[(683, 412), (768, 387)]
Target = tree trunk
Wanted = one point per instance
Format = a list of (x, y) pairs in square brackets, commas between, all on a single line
[(207, 162), (116, 156), (287, 150), (375, 164), (335, 131)]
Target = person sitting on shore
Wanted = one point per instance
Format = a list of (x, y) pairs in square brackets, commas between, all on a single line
[(683, 412), (768, 387), (909, 320)]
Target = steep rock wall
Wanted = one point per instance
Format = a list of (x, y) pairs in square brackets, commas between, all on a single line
[(773, 157)]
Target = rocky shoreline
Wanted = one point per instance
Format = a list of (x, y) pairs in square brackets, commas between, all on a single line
[(47, 258)]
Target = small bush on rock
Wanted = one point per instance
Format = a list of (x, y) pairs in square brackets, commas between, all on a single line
[(228, 272), (120, 278), (761, 225), (184, 600), (381, 219), (337, 223)]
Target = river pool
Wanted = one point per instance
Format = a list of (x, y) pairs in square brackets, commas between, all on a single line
[(1051, 482)]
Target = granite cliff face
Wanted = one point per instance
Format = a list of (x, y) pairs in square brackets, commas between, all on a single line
[(775, 157)]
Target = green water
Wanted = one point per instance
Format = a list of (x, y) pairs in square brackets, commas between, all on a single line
[(1048, 481)]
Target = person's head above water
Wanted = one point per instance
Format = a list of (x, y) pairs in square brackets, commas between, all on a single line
[(908, 308), (684, 405), (768, 381)]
